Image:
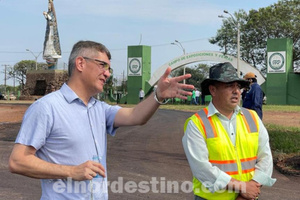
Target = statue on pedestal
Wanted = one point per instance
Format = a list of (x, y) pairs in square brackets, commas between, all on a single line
[(52, 49)]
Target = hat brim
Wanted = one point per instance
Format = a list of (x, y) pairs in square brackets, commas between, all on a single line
[(205, 84)]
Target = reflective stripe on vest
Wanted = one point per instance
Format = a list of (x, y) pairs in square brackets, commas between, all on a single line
[(249, 120), (228, 166), (209, 129), (206, 123), (247, 164)]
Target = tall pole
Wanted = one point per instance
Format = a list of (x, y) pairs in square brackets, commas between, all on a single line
[(5, 78), (238, 49), (177, 43), (123, 83), (36, 57), (14, 83), (237, 24)]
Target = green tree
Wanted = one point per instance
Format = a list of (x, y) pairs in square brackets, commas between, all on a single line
[(122, 87), (19, 70), (280, 20), (199, 73), (13, 89), (108, 86)]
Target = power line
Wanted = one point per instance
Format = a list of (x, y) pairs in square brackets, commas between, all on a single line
[(12, 52), (116, 49), (10, 61), (27, 52)]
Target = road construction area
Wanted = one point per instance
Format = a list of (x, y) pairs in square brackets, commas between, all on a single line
[(144, 162)]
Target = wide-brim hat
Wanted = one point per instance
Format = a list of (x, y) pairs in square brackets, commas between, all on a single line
[(222, 72)]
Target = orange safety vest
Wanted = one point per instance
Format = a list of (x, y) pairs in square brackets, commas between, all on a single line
[(237, 161)]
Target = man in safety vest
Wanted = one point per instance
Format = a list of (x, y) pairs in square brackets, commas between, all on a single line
[(227, 146)]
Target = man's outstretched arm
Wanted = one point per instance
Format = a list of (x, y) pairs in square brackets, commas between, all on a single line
[(166, 88)]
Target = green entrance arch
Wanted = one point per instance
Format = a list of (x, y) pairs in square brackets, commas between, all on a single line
[(205, 56), (281, 87), (139, 68)]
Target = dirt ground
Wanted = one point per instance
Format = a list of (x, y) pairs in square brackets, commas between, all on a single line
[(14, 113), (282, 118)]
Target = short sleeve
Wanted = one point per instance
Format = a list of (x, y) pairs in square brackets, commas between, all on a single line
[(36, 126), (110, 114)]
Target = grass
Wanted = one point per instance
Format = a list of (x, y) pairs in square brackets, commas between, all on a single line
[(284, 139), (285, 145)]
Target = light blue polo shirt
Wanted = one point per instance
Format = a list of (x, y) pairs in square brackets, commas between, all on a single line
[(65, 131)]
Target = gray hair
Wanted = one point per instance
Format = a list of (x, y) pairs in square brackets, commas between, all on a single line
[(85, 48)]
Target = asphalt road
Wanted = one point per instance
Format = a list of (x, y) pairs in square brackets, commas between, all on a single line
[(144, 162)]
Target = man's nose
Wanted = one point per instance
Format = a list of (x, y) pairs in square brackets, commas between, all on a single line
[(106, 74)]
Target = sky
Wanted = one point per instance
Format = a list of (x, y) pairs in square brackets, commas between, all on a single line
[(117, 24)]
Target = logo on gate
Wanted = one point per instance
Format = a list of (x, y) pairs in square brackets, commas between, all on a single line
[(134, 66), (276, 61)]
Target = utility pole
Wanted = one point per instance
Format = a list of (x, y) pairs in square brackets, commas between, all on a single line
[(5, 78), (123, 84), (14, 83), (35, 56)]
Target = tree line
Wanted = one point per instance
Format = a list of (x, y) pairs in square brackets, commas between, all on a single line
[(280, 20)]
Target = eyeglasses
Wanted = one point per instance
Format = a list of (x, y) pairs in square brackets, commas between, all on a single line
[(102, 64)]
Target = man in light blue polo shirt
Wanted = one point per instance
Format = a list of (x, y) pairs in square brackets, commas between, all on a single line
[(62, 140)]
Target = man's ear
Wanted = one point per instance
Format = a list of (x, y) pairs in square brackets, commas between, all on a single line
[(80, 63), (212, 89)]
